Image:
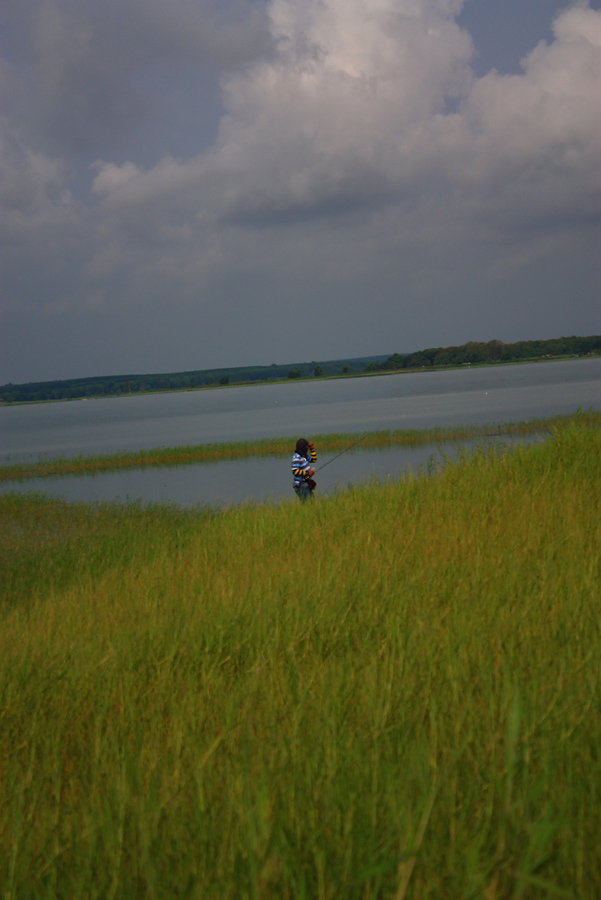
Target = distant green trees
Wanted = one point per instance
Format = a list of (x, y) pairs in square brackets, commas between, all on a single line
[(475, 353), (472, 353), (118, 385)]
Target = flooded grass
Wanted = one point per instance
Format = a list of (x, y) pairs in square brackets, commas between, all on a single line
[(327, 443), (389, 693)]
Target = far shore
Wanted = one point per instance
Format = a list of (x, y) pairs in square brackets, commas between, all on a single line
[(310, 378)]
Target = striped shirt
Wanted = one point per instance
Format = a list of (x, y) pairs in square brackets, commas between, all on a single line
[(301, 465)]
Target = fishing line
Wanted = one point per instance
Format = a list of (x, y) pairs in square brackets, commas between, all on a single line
[(346, 449)]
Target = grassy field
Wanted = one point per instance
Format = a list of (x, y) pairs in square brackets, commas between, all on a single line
[(390, 693)]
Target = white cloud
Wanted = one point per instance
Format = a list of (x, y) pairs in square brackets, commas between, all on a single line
[(530, 145), (331, 118), (579, 24), (111, 177), (353, 108), (351, 113)]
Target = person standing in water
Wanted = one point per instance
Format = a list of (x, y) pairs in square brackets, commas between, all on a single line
[(304, 457)]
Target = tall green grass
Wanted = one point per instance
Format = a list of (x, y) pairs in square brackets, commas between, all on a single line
[(327, 443), (391, 693)]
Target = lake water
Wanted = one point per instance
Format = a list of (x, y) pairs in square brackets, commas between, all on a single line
[(235, 481), (418, 400)]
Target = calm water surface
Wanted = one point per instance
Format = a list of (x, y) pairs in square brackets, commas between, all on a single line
[(417, 400), (236, 481)]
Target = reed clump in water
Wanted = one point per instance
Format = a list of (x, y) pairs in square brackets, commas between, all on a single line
[(327, 443), (392, 692)]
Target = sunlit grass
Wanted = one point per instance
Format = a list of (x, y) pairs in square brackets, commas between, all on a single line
[(389, 693), (328, 443)]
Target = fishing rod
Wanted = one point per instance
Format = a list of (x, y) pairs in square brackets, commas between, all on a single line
[(346, 449)]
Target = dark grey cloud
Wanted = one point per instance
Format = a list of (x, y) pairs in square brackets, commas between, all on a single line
[(83, 71)]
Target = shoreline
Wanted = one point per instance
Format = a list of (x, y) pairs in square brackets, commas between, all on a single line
[(267, 382), (280, 446)]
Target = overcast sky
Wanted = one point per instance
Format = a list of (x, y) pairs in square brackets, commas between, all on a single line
[(188, 184)]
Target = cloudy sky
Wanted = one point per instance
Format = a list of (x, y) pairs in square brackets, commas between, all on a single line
[(189, 184)]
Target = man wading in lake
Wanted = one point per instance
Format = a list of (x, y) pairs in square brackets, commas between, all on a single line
[(304, 456)]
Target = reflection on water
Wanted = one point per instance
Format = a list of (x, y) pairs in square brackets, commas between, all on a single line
[(235, 481)]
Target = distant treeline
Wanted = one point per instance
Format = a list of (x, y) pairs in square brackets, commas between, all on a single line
[(116, 385), (472, 353), (475, 354)]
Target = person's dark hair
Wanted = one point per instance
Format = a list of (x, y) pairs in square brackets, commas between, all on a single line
[(302, 446)]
